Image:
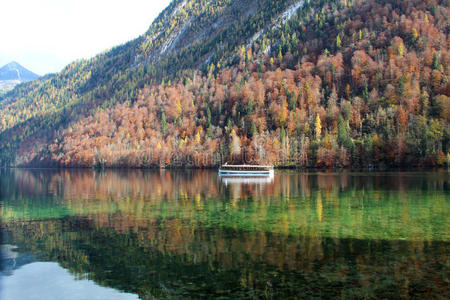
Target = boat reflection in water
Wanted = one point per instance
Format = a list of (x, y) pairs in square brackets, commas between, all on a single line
[(235, 180)]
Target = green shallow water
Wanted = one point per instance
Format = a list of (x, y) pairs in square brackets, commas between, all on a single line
[(191, 234)]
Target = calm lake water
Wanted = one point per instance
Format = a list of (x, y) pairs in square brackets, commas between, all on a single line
[(130, 234)]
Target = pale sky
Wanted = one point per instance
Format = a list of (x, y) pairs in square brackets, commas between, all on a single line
[(46, 35)]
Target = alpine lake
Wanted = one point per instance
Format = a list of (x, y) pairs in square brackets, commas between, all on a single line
[(142, 234)]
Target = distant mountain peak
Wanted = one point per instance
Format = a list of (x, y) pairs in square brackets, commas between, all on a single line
[(13, 64), (15, 71)]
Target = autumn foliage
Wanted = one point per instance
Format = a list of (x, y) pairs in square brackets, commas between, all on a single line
[(354, 84)]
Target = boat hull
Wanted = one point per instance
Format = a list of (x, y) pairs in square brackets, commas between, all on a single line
[(246, 173)]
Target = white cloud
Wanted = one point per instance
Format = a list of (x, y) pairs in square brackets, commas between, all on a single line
[(46, 35)]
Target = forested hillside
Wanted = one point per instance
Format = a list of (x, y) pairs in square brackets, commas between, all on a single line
[(320, 83)]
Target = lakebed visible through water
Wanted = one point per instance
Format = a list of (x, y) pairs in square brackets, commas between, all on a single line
[(128, 234)]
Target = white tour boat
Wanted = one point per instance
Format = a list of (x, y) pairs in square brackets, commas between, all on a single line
[(246, 170)]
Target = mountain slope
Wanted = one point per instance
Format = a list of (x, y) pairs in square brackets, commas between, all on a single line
[(286, 82), (117, 75)]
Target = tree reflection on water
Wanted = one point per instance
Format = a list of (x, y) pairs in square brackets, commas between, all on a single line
[(190, 234)]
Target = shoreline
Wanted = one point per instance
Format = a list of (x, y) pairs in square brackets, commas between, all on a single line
[(277, 168)]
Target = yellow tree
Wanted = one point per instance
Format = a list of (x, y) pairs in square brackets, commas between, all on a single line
[(318, 127), (338, 42)]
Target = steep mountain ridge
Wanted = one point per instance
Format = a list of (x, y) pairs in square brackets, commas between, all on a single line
[(299, 83), (206, 32)]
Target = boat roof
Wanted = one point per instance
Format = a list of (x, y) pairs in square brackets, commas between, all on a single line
[(246, 166)]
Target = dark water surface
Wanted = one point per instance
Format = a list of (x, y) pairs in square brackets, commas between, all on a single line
[(128, 234)]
